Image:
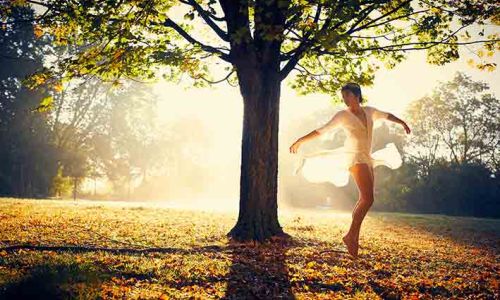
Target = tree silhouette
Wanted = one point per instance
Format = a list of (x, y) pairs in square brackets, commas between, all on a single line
[(27, 158), (460, 118)]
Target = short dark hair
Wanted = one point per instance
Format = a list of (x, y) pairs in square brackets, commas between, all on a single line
[(354, 88)]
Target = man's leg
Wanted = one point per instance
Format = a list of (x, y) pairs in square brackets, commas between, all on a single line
[(363, 176)]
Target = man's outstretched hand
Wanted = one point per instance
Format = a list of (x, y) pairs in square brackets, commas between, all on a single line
[(295, 147), (407, 129)]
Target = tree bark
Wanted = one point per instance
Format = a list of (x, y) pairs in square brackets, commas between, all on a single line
[(256, 60), (258, 214)]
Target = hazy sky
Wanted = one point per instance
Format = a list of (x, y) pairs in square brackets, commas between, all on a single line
[(220, 108)]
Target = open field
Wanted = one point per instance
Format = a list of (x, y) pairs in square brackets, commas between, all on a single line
[(89, 250)]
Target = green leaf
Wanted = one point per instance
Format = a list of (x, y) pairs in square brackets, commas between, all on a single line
[(45, 104)]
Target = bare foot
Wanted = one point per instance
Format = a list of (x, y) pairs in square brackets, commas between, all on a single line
[(352, 245)]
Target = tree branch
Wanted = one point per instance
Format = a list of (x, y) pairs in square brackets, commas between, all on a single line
[(364, 13), (238, 28), (302, 47), (388, 48), (190, 39), (207, 18), (381, 17), (218, 81)]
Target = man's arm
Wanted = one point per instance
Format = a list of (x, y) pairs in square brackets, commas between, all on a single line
[(332, 123), (311, 135), (380, 114), (395, 119)]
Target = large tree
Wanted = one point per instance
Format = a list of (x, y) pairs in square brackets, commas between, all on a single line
[(28, 159), (259, 43), (458, 120)]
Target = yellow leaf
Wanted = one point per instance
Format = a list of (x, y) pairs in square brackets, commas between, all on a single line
[(45, 104), (435, 10), (19, 2), (118, 53), (58, 87), (37, 30)]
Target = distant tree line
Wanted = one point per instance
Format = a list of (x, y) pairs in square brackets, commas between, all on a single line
[(452, 160), (27, 155), (54, 137)]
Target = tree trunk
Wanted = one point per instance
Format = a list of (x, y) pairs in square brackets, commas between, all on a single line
[(74, 188), (258, 214)]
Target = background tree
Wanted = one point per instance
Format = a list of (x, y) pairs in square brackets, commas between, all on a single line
[(452, 152), (131, 134), (28, 160), (79, 112), (459, 120), (261, 43)]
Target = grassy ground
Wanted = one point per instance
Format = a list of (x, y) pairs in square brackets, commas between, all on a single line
[(65, 249)]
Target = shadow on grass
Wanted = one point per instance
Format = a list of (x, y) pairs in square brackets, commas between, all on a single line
[(471, 231), (256, 272), (83, 249), (55, 281), (259, 272)]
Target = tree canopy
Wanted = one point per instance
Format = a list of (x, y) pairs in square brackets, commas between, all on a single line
[(458, 121), (325, 42)]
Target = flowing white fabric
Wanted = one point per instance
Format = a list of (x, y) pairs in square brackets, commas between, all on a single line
[(333, 165)]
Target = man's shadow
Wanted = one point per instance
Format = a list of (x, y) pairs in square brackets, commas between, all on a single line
[(259, 271)]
